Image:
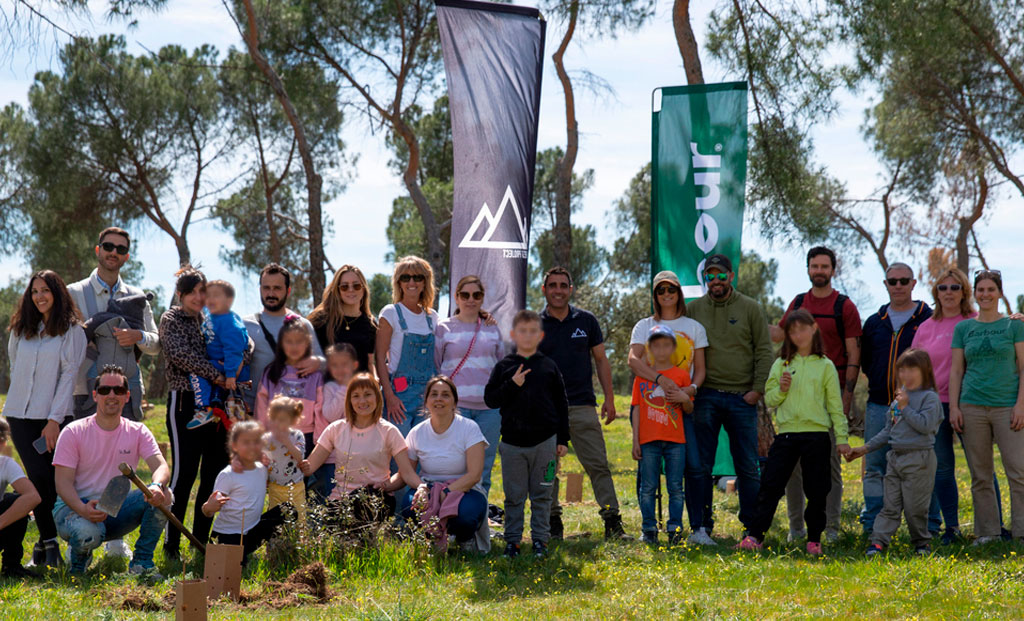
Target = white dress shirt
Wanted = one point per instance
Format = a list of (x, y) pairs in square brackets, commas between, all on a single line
[(43, 370)]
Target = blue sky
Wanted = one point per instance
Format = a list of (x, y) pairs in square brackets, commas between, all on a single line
[(615, 142)]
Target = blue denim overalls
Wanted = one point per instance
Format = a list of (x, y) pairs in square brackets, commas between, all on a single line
[(416, 366)]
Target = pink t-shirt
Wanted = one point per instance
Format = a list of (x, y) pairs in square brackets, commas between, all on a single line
[(362, 456), (936, 338), (95, 453)]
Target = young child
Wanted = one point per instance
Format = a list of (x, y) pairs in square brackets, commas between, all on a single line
[(226, 343), (658, 436), (342, 361), (294, 344), (14, 509), (910, 474), (528, 389), (282, 445), (804, 387), (237, 498)]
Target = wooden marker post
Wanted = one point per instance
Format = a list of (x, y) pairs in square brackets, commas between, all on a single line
[(190, 600), (574, 487)]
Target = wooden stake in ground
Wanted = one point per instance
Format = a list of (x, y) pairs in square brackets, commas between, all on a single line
[(190, 601), (574, 487)]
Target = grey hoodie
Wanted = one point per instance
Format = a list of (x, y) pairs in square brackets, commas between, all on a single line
[(915, 427)]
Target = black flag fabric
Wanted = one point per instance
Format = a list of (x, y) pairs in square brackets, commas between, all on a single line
[(493, 57)]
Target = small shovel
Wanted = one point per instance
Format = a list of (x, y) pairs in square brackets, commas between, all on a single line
[(114, 494), (129, 475)]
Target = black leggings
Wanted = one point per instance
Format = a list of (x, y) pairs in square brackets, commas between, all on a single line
[(201, 451), (38, 469), (812, 450), (12, 536), (264, 531)]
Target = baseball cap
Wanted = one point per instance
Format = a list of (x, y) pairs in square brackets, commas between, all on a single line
[(667, 276), (660, 332), (718, 260)]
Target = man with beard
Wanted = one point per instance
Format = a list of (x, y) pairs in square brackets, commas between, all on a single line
[(737, 362), (263, 327), (839, 325)]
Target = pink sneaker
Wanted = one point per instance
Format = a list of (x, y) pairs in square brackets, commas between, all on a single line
[(749, 543), (814, 549)]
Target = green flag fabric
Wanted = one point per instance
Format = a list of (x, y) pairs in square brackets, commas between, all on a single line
[(699, 164)]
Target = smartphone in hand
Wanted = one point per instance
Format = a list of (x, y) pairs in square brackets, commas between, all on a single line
[(39, 444)]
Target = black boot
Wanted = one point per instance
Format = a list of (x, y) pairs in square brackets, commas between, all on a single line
[(38, 555), (613, 528), (53, 557), (557, 530)]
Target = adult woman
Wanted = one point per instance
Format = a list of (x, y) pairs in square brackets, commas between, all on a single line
[(343, 316), (363, 445), (986, 403), (405, 342), (449, 451), (467, 347), (201, 450), (46, 348), (691, 339)]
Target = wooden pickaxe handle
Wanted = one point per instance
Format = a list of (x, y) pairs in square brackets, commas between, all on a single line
[(129, 472)]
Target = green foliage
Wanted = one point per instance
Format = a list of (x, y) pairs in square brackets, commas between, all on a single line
[(9, 298), (380, 292), (756, 278), (545, 190), (630, 258)]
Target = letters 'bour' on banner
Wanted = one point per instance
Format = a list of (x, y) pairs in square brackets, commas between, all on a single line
[(493, 57), (698, 178)]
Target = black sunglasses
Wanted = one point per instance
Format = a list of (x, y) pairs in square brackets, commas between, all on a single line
[(118, 390), (949, 287), (465, 295), (666, 289), (110, 247), (404, 278), (356, 286), (898, 281)]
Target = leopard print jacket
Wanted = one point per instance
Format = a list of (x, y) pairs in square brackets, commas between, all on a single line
[(184, 346)]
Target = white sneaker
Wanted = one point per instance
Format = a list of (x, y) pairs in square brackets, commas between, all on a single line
[(117, 548), (150, 573), (700, 537), (980, 541), (796, 535)]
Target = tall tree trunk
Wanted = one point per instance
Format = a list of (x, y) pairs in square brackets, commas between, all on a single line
[(687, 42), (410, 176), (314, 182), (562, 231), (965, 225), (184, 254)]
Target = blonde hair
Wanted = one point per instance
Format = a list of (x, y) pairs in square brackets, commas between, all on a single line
[(330, 312), (966, 305), (285, 405), (358, 382), (414, 265)]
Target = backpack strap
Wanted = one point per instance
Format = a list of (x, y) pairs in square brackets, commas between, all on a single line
[(836, 316), (266, 333)]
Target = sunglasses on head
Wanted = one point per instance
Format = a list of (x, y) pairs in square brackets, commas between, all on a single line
[(982, 273), (722, 276), (110, 247), (476, 295), (117, 390), (898, 281), (356, 286), (666, 289), (404, 278), (949, 287)]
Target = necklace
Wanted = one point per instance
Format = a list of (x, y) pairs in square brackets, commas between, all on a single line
[(347, 323)]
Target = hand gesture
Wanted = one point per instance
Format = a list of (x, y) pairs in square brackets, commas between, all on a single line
[(561, 450), (93, 514), (520, 376), (218, 499), (785, 381), (902, 400), (308, 366)]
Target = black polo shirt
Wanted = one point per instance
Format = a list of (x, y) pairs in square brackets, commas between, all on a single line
[(568, 343)]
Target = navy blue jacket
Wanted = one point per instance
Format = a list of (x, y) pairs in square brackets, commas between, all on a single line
[(880, 348)]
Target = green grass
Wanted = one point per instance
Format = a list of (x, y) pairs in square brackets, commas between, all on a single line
[(586, 577)]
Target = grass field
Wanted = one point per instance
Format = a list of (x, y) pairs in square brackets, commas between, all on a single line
[(587, 578)]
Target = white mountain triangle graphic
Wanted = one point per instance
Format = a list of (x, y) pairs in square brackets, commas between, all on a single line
[(492, 225)]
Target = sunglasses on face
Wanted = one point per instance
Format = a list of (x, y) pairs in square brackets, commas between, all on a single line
[(949, 287), (404, 278), (898, 281), (666, 289), (117, 390), (721, 276), (110, 247), (476, 295), (356, 286)]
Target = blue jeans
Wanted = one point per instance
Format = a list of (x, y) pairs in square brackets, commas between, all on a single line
[(714, 410), (673, 456), (472, 513), (875, 418), (84, 536), (489, 422)]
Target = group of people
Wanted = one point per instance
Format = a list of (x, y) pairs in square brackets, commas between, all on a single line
[(401, 415)]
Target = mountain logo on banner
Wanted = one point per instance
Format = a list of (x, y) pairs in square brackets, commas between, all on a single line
[(493, 220)]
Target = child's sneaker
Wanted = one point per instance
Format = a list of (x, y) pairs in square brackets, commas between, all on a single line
[(650, 537), (814, 548), (540, 549), (511, 550), (980, 541), (873, 550), (749, 543), (923, 550), (200, 419), (700, 537)]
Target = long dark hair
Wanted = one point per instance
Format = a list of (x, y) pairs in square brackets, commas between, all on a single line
[(188, 279), (789, 348), (292, 323), (64, 314)]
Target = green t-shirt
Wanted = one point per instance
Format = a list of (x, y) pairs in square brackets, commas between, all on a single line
[(990, 377)]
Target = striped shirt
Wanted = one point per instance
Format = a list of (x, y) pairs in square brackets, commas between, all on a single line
[(451, 341)]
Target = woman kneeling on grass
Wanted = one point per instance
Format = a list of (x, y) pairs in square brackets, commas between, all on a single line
[(804, 386), (363, 445)]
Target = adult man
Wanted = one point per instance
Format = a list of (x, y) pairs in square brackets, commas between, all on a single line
[(86, 458), (737, 361), (572, 337), (839, 325), (887, 334), (263, 327), (92, 295)]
